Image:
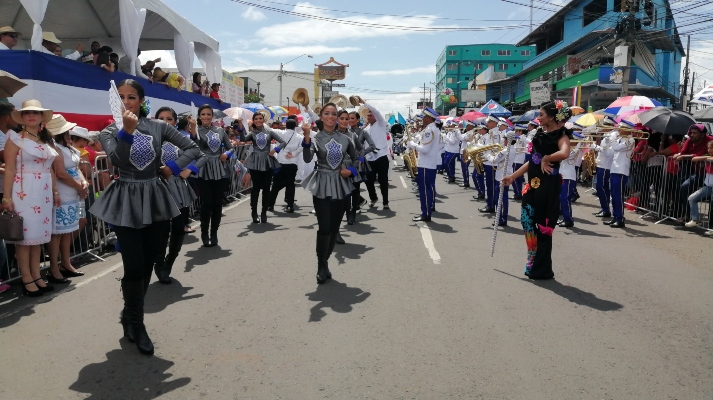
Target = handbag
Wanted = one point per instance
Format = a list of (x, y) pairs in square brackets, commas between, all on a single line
[(11, 227)]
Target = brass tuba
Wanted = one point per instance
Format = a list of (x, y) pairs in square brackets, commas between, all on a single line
[(476, 155)]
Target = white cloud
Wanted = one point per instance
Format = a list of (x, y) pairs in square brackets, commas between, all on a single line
[(315, 31), (253, 14), (294, 51), (408, 71), (167, 58)]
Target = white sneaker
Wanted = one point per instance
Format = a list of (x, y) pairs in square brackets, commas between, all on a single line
[(708, 233), (691, 224)]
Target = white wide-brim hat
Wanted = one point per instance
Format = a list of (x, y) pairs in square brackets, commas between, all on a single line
[(80, 132), (50, 37), (32, 105)]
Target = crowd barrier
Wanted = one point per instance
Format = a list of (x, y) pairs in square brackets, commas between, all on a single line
[(95, 237)]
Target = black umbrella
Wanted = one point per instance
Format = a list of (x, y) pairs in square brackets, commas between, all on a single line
[(704, 115), (667, 121)]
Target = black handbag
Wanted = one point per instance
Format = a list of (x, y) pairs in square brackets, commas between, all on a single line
[(11, 227)]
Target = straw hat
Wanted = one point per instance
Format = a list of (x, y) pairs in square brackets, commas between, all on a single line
[(50, 37), (32, 105), (58, 125), (265, 114), (301, 96), (9, 29), (363, 112)]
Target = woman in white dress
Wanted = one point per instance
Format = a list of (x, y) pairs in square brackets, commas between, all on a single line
[(72, 188), (31, 190)]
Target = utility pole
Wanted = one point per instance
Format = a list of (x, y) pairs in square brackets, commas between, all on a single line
[(686, 71), (690, 97), (258, 93), (630, 26), (531, 11), (279, 78)]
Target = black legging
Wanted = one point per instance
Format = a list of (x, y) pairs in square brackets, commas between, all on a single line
[(261, 183), (355, 197), (329, 215), (176, 229), (138, 249), (211, 202), (285, 178), (380, 171)]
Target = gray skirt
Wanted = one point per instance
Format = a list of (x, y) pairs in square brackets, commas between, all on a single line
[(261, 161), (213, 169), (325, 184), (181, 191), (135, 203)]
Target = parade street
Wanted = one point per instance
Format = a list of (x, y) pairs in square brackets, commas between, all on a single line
[(414, 311)]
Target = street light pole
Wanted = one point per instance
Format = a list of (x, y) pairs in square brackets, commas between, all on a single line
[(288, 104), (282, 72)]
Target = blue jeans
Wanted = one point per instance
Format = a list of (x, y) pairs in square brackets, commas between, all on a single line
[(704, 193), (426, 181), (618, 184), (566, 193), (603, 189)]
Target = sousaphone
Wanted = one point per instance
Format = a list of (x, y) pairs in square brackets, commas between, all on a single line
[(340, 100)]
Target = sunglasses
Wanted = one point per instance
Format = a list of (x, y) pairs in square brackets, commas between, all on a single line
[(12, 35)]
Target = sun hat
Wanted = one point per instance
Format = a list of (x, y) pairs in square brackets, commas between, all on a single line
[(50, 37), (301, 96), (58, 125), (78, 131), (9, 29), (32, 105)]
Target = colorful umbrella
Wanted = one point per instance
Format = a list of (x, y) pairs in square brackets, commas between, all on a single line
[(576, 110), (256, 106), (631, 103), (587, 119), (279, 111), (630, 116), (472, 115)]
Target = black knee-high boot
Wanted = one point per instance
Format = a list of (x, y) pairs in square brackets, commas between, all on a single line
[(323, 242), (205, 222), (174, 247), (216, 216), (134, 315)]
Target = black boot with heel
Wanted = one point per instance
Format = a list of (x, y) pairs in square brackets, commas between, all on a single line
[(133, 315)]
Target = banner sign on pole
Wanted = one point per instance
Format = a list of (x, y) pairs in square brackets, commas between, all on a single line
[(539, 92)]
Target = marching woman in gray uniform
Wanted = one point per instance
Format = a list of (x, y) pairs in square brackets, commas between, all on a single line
[(343, 128), (261, 163), (330, 183), (367, 146), (182, 193), (213, 176), (138, 203)]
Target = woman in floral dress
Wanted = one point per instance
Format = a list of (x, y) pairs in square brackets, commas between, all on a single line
[(32, 192), (540, 200)]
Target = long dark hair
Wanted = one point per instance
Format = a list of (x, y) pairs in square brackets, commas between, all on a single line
[(143, 113), (252, 125), (201, 108), (164, 109), (197, 78), (62, 141)]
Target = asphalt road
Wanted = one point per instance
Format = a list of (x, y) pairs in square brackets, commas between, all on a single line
[(413, 312)]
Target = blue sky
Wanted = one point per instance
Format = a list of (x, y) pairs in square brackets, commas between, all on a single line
[(387, 66)]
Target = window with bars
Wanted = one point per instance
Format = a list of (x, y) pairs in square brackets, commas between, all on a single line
[(502, 67), (451, 52), (485, 52), (525, 53), (450, 80), (503, 52)]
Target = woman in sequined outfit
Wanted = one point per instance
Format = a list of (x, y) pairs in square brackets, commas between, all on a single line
[(138, 203), (330, 183), (217, 148), (182, 193), (540, 200)]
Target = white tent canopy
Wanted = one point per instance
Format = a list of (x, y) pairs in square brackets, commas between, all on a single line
[(75, 21)]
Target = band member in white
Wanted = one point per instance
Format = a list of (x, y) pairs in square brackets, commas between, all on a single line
[(623, 148), (428, 157), (378, 161)]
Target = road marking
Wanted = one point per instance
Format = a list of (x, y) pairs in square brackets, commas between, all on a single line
[(428, 242), (403, 181), (396, 164), (119, 265)]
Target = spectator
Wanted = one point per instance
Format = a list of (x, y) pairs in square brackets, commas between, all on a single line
[(705, 192), (147, 69), (125, 65), (103, 59), (91, 57), (114, 59), (6, 124), (691, 176), (196, 86), (214, 92), (669, 146), (80, 139), (58, 51), (172, 80), (72, 189), (8, 38), (50, 42)]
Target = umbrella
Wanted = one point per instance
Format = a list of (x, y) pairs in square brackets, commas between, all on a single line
[(9, 84), (238, 112), (256, 106), (526, 117), (631, 116), (472, 115), (587, 119), (217, 114), (576, 110), (704, 115), (667, 121), (279, 111), (631, 103)]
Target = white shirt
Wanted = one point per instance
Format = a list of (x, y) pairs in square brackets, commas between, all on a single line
[(567, 167), (452, 140), (378, 133), (605, 155), (429, 155), (71, 56), (125, 67), (623, 148), (3, 47), (519, 156), (466, 137), (494, 136), (498, 160), (294, 146)]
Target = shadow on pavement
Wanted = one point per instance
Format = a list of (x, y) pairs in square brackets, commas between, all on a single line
[(351, 251), (203, 256), (126, 374), (160, 296), (444, 228), (571, 293), (580, 231), (334, 295)]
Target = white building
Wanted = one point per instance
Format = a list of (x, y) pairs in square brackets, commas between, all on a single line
[(269, 85)]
